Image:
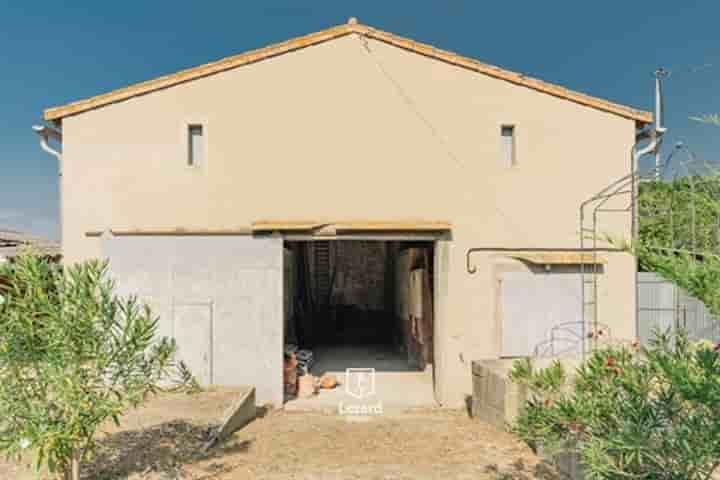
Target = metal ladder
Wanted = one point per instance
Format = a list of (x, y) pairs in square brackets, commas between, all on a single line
[(322, 270)]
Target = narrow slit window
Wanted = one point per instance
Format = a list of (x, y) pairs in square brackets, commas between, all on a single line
[(507, 144), (196, 145)]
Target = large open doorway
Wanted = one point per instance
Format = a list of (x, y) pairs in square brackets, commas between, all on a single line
[(362, 304)]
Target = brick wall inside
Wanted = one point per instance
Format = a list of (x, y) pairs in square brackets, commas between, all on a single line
[(360, 274)]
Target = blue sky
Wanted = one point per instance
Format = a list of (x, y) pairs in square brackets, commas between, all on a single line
[(55, 52)]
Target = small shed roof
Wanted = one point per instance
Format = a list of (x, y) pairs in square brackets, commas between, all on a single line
[(559, 258), (12, 242)]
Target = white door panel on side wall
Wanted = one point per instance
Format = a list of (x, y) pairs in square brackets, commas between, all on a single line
[(193, 332), (532, 304)]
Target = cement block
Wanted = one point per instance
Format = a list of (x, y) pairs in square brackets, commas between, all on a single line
[(570, 466), (496, 400)]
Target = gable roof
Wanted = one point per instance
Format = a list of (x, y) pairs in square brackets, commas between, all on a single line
[(57, 113)]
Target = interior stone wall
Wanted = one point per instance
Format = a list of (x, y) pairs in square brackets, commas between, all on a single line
[(360, 277)]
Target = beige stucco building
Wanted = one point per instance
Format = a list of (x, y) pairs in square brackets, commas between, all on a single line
[(347, 134)]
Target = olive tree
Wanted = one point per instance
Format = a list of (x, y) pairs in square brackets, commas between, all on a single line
[(73, 356)]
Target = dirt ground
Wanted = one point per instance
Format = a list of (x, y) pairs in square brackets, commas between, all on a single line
[(163, 440)]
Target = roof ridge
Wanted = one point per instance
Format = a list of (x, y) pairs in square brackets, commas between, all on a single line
[(234, 61)]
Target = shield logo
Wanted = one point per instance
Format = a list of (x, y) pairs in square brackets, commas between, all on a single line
[(360, 382)]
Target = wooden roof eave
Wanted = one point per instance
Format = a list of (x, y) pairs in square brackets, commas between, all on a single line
[(558, 258), (351, 226)]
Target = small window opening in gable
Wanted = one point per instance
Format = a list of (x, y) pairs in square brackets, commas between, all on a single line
[(196, 145), (507, 144)]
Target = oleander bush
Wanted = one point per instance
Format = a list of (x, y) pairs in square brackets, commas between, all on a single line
[(73, 356), (630, 412)]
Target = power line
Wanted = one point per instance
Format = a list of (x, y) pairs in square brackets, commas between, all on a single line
[(688, 70), (411, 104)]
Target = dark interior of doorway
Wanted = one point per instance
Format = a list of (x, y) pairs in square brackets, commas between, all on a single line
[(360, 303)]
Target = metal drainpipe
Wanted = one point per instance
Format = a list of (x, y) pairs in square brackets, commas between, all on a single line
[(45, 133), (660, 74), (655, 133)]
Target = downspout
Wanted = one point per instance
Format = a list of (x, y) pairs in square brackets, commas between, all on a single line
[(45, 134), (660, 73), (655, 134)]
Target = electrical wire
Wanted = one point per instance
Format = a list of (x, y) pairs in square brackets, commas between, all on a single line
[(411, 103)]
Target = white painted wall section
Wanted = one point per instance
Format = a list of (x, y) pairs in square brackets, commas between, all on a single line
[(220, 297), (534, 303)]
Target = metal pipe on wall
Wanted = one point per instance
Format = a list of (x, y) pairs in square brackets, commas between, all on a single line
[(47, 133)]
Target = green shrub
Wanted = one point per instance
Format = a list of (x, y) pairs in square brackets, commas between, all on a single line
[(682, 213), (72, 356), (699, 276), (632, 413)]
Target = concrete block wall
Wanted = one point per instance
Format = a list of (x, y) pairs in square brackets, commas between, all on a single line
[(402, 296), (498, 401), (289, 280), (569, 465), (361, 274)]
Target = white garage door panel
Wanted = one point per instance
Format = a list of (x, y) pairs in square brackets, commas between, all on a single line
[(140, 272), (533, 303), (192, 329), (240, 276), (161, 308)]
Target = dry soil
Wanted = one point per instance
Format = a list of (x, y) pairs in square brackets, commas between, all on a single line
[(163, 440)]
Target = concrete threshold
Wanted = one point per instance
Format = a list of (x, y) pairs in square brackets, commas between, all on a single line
[(393, 390)]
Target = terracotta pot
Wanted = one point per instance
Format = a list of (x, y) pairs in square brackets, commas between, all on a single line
[(328, 381), (306, 386), (290, 377)]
